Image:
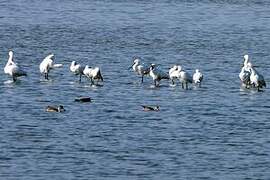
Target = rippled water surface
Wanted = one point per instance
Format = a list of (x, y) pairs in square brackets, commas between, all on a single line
[(219, 131)]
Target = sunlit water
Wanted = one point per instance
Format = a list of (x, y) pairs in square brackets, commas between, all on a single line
[(219, 131)]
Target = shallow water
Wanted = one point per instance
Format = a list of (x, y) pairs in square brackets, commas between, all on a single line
[(219, 131)]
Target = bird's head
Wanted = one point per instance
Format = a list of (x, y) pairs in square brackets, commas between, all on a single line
[(246, 57), (50, 56), (136, 61), (61, 108), (180, 68), (10, 53), (152, 66)]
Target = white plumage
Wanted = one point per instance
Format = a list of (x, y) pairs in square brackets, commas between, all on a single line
[(256, 79), (197, 77), (76, 69), (92, 73), (157, 74), (244, 76), (246, 60), (174, 73), (245, 72), (185, 78), (13, 69), (139, 68), (47, 64)]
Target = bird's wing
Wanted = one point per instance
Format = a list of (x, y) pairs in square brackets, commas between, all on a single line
[(162, 74), (17, 71), (189, 77)]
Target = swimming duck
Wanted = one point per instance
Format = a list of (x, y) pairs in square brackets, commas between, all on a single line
[(150, 108), (59, 108), (83, 99)]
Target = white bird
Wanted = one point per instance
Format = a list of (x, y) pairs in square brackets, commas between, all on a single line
[(174, 73), (92, 73), (245, 72), (157, 74), (185, 78), (77, 69), (13, 69), (197, 77), (256, 79), (140, 69), (47, 64)]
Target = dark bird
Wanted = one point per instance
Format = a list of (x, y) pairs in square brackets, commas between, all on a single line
[(83, 99), (150, 108), (59, 108)]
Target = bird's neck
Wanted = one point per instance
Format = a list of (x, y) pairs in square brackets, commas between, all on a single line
[(252, 70), (135, 65), (10, 59)]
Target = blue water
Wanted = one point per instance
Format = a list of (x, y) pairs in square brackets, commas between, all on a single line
[(219, 131)]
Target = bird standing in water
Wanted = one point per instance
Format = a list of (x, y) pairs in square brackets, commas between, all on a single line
[(13, 69)]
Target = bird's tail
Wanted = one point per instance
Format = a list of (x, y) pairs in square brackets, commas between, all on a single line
[(263, 84), (100, 76), (21, 73), (166, 76), (24, 74)]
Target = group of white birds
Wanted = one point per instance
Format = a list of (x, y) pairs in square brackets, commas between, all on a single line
[(91, 73), (175, 73), (15, 71), (250, 77)]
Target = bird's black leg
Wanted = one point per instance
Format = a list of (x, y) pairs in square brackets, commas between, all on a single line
[(47, 76), (80, 78), (14, 78), (142, 79), (182, 85), (186, 85), (92, 81), (172, 81)]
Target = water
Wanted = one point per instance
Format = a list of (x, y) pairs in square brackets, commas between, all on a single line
[(219, 131)]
